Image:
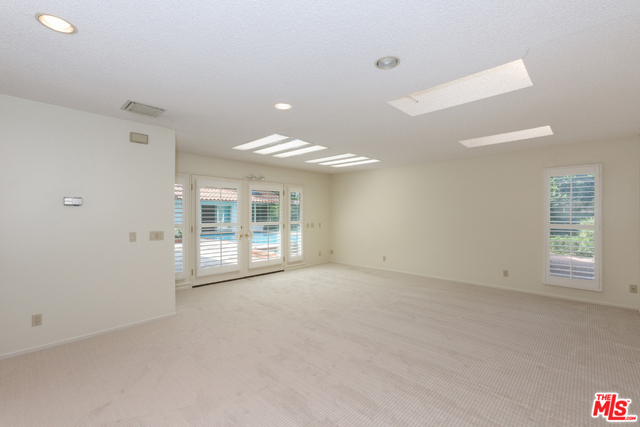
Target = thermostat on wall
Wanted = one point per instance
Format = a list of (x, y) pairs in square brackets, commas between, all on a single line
[(73, 201)]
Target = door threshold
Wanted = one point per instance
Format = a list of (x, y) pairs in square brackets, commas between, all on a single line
[(239, 278)]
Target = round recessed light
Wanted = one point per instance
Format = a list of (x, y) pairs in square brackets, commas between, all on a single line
[(283, 106), (387, 63), (55, 23)]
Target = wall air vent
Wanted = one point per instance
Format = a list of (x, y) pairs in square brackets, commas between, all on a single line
[(147, 110)]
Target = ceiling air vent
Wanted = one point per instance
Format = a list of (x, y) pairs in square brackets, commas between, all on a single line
[(147, 110)]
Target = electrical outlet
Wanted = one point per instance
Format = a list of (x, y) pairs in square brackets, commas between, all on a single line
[(331, 251), (319, 225), (319, 253), (384, 257), (633, 289), (313, 224), (156, 235), (36, 320), (132, 237), (505, 273)]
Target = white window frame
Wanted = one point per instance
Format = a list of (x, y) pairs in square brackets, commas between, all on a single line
[(198, 225), (294, 189), (596, 284), (183, 180), (250, 224)]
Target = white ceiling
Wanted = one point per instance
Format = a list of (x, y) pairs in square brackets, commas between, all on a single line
[(218, 67)]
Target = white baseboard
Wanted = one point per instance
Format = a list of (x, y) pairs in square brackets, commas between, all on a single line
[(182, 286), (296, 266), (82, 337), (504, 288)]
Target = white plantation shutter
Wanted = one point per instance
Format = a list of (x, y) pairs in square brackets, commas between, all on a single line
[(218, 227), (295, 224), (180, 234), (266, 225), (573, 227)]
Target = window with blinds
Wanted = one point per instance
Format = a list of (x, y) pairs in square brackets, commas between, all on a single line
[(266, 227), (217, 228), (179, 226), (295, 226), (573, 227)]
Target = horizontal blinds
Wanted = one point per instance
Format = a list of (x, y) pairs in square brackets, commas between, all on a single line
[(266, 243), (218, 244), (572, 233), (295, 229), (572, 199), (178, 214), (218, 247), (265, 206), (218, 205)]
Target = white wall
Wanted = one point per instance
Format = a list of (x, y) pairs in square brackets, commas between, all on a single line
[(470, 219), (317, 200), (75, 264)]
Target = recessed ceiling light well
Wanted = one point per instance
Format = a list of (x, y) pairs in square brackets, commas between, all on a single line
[(301, 151), (508, 137), (328, 159), (283, 106), (387, 63), (282, 147), (485, 84), (55, 23), (344, 165), (261, 142), (335, 162)]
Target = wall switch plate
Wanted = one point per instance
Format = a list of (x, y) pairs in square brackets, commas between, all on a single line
[(505, 273), (319, 253), (331, 251), (156, 235), (319, 225), (384, 257), (132, 236), (36, 320), (313, 224), (633, 289), (307, 225)]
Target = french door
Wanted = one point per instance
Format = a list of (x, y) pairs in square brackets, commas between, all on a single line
[(238, 229)]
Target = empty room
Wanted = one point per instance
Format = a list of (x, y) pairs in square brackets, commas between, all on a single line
[(325, 213)]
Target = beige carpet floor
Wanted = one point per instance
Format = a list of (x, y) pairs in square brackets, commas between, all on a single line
[(337, 346)]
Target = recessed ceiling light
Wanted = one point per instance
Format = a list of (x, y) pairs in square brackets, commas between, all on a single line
[(387, 63), (261, 142), (485, 84), (283, 106), (282, 147), (335, 162), (508, 137), (326, 159), (301, 151), (55, 23), (356, 163)]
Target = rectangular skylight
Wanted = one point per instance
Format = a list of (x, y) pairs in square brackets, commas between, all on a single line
[(344, 165), (335, 162), (261, 142), (301, 151), (485, 84), (508, 137), (282, 147), (327, 159)]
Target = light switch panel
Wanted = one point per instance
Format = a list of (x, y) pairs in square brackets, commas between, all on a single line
[(132, 236), (156, 235)]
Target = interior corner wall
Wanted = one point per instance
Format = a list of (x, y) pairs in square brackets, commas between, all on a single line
[(317, 199), (75, 265), (470, 219)]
